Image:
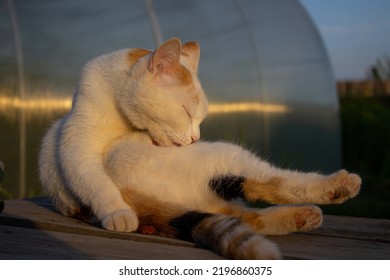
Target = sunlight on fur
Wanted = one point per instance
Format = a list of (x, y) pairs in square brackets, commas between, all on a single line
[(130, 151)]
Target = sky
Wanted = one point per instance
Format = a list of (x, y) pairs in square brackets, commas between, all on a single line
[(356, 33)]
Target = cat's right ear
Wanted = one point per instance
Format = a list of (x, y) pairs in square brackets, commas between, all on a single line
[(166, 57), (192, 51)]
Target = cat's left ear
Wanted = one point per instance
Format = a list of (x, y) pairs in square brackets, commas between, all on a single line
[(166, 57), (192, 51)]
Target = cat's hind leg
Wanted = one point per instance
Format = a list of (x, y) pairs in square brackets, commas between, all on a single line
[(226, 235), (289, 187), (278, 220)]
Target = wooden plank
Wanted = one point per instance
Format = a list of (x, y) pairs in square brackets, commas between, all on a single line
[(354, 228), (42, 214), (39, 214), (28, 243), (338, 238), (316, 247)]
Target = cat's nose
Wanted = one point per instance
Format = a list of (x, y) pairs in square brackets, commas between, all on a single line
[(195, 137), (195, 134)]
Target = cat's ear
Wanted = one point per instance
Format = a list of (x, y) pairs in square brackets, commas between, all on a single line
[(192, 51), (166, 57)]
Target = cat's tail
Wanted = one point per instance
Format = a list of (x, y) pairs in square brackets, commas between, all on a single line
[(225, 235)]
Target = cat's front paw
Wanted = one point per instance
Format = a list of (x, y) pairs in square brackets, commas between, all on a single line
[(124, 220), (345, 186)]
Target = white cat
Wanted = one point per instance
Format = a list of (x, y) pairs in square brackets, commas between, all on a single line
[(128, 150)]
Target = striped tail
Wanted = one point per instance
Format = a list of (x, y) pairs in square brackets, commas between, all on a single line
[(225, 235)]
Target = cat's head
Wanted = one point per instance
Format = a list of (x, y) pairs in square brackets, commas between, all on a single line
[(163, 95)]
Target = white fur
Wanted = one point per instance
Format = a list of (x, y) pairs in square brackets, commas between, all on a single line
[(115, 100), (126, 122)]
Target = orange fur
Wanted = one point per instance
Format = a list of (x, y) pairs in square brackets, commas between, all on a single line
[(191, 50), (189, 47), (153, 215), (267, 191), (184, 76), (248, 216), (135, 54)]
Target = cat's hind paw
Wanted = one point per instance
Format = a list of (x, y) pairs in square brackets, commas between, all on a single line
[(307, 218), (347, 186), (124, 220), (281, 220)]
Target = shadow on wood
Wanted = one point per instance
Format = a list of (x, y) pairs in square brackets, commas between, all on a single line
[(31, 229)]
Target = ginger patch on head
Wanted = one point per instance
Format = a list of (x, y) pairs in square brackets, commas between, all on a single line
[(134, 54), (184, 76)]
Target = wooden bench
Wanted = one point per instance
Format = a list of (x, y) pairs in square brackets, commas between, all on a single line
[(31, 229)]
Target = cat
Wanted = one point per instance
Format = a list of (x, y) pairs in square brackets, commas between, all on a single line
[(129, 150)]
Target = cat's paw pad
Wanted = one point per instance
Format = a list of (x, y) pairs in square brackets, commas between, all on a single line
[(308, 218), (124, 220), (347, 186)]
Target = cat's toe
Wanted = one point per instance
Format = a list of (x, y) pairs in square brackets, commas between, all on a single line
[(308, 218), (124, 220), (347, 186), (352, 182)]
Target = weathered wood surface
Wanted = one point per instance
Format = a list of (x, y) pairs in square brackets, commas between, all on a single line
[(31, 229)]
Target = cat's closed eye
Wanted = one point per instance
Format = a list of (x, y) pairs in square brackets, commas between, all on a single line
[(187, 112)]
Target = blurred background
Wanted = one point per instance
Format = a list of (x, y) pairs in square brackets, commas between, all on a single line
[(264, 66)]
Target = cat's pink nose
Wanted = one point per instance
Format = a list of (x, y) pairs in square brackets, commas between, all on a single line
[(195, 138), (195, 133)]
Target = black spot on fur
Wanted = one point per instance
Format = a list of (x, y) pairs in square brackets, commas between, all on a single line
[(228, 187), (185, 223)]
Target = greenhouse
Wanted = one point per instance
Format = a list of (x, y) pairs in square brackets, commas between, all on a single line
[(263, 66)]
